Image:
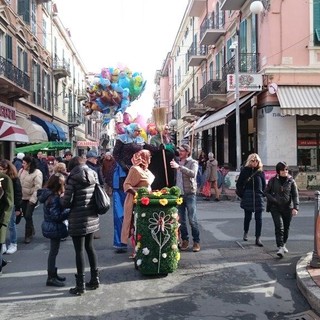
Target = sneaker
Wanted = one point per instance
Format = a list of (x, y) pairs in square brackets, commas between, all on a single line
[(196, 247), (12, 248), (185, 245), (285, 249), (3, 248), (280, 252)]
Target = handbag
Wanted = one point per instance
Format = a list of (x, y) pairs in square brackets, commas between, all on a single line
[(102, 200), (206, 190), (239, 192)]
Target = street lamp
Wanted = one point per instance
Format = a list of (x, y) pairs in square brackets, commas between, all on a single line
[(234, 48)]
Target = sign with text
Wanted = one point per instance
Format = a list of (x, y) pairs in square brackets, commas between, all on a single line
[(247, 82)]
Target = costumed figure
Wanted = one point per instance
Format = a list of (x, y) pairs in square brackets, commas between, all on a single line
[(139, 176), (160, 161), (126, 146)]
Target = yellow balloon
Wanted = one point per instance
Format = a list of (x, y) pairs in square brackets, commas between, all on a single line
[(144, 135)]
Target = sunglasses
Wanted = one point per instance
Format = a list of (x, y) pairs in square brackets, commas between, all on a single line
[(286, 169)]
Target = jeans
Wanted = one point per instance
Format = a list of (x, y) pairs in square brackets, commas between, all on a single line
[(189, 206), (54, 250), (247, 219), (281, 220), (85, 242), (12, 227)]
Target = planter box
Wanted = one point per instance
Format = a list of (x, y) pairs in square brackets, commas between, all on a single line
[(156, 231)]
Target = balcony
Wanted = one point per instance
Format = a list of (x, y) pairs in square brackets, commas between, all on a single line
[(82, 95), (14, 83), (213, 94), (196, 8), (232, 4), (74, 120), (195, 108), (211, 31), (61, 69), (196, 55), (248, 63)]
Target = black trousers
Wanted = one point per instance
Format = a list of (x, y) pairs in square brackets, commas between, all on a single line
[(54, 250), (80, 244), (281, 219)]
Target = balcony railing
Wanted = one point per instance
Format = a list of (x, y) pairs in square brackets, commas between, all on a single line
[(196, 54), (12, 73), (248, 63), (212, 28), (213, 94), (195, 107), (61, 68), (74, 119)]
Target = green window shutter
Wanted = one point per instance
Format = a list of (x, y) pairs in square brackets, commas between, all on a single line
[(316, 22), (9, 48), (24, 10)]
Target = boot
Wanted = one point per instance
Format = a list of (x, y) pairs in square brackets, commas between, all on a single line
[(94, 282), (59, 277), (28, 234), (80, 287), (53, 281), (245, 236), (258, 242)]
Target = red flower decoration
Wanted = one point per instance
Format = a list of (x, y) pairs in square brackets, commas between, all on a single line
[(139, 236), (145, 201)]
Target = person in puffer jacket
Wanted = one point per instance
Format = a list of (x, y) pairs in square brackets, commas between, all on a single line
[(83, 220), (283, 203), (54, 226)]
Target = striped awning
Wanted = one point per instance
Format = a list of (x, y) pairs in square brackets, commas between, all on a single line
[(219, 118), (12, 132), (299, 100)]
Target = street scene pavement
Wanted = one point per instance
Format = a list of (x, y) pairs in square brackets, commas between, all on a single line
[(228, 279)]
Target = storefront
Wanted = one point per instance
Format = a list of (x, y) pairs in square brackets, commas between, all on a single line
[(10, 132)]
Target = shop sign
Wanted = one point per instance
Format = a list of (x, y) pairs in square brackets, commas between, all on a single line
[(87, 144), (7, 113), (307, 142)]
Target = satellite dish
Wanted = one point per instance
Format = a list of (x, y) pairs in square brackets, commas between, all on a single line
[(272, 88)]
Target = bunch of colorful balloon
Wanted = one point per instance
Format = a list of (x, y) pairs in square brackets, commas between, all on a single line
[(147, 129), (112, 91)]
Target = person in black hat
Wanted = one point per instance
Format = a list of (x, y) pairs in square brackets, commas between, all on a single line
[(283, 203)]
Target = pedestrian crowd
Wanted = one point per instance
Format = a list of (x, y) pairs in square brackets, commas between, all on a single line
[(65, 188)]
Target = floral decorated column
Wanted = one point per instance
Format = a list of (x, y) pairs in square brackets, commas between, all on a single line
[(156, 230)]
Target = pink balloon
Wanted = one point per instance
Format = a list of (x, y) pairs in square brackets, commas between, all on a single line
[(140, 120)]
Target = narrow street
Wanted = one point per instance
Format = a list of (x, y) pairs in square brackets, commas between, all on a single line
[(227, 279)]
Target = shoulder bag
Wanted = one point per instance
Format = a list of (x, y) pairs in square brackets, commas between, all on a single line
[(102, 200)]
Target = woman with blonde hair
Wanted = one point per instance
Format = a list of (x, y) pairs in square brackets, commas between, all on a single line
[(250, 188)]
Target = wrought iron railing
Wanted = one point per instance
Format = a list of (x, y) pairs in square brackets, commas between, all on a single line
[(197, 51), (213, 21), (248, 63), (74, 119), (193, 103), (14, 74), (212, 87), (61, 64)]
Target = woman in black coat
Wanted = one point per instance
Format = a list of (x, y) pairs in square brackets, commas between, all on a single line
[(83, 220), (250, 186)]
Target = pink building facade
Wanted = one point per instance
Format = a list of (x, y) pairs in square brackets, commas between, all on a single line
[(278, 54)]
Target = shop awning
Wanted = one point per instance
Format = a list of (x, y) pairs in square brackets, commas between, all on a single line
[(192, 127), (53, 131), (220, 116), (299, 100), (12, 132), (34, 131), (44, 146)]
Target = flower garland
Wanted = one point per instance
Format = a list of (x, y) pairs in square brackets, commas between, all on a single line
[(157, 230)]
